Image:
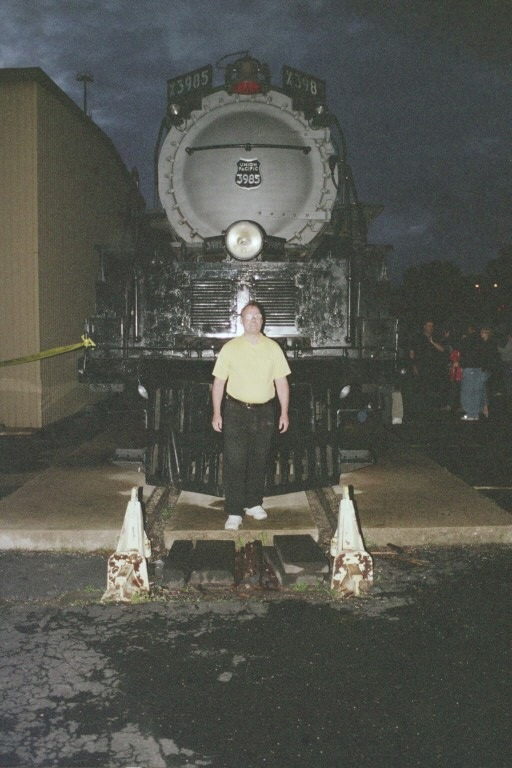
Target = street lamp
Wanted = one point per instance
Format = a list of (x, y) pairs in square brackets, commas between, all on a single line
[(85, 78)]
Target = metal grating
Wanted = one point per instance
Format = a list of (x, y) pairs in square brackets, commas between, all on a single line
[(279, 298), (211, 304)]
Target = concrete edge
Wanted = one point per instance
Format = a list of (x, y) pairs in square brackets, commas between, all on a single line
[(94, 540), (56, 540), (408, 537)]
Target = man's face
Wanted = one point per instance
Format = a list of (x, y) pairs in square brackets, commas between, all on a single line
[(252, 319), (428, 328)]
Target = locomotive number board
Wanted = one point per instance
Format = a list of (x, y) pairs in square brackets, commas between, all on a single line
[(195, 83), (297, 83)]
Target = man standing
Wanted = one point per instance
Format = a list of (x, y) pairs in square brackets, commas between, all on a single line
[(429, 365), (253, 369)]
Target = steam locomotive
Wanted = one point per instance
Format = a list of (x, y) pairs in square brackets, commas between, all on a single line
[(258, 202)]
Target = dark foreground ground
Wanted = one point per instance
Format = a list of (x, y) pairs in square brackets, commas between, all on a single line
[(416, 673)]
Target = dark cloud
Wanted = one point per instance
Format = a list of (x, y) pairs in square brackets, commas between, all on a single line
[(421, 89), (481, 28)]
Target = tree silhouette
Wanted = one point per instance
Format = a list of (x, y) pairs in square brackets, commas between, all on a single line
[(436, 291)]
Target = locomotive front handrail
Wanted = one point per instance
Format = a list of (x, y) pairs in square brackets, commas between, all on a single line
[(248, 147)]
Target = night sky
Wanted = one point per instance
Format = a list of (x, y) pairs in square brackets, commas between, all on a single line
[(421, 89)]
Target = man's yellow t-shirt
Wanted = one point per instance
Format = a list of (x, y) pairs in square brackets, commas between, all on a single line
[(250, 369)]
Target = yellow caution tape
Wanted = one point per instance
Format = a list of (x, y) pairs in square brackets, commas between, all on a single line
[(86, 342)]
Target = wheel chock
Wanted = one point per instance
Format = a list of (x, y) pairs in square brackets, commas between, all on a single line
[(353, 565), (127, 571)]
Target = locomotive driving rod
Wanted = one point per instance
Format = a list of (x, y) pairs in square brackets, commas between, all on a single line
[(248, 147)]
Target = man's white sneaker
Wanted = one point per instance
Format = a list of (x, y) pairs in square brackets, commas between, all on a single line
[(233, 523), (258, 513)]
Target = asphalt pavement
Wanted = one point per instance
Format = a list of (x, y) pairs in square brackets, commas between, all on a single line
[(416, 673)]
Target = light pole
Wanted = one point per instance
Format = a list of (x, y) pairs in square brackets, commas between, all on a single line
[(85, 78)]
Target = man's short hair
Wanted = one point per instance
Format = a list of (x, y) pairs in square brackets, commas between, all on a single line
[(257, 305)]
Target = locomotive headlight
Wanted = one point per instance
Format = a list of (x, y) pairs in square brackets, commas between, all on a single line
[(244, 240)]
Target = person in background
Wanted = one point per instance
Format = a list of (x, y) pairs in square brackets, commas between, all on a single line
[(427, 358), (505, 353), (446, 393), (490, 364), (455, 376), (471, 375), (479, 359)]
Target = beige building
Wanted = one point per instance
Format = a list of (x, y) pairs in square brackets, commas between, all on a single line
[(65, 193)]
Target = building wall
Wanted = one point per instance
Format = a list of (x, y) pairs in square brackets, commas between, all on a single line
[(69, 194), (20, 385), (83, 202)]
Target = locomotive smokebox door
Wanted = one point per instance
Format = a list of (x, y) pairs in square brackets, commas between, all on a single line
[(248, 157)]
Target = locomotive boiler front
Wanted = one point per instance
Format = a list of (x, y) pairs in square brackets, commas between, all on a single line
[(248, 165)]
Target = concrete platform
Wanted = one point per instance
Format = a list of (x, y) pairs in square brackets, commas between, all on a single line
[(197, 516), (405, 499), (74, 509)]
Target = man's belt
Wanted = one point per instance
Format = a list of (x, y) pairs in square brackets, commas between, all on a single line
[(248, 405)]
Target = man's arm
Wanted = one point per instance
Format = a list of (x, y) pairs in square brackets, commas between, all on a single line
[(217, 395), (283, 395), (437, 345)]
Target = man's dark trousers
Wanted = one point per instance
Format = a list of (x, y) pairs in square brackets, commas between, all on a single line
[(248, 435)]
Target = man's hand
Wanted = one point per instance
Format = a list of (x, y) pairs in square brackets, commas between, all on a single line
[(283, 395), (217, 394)]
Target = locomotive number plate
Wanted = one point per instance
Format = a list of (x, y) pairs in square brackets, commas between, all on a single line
[(248, 174), (193, 82), (298, 83)]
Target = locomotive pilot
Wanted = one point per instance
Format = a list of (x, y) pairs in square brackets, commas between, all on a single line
[(252, 369)]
